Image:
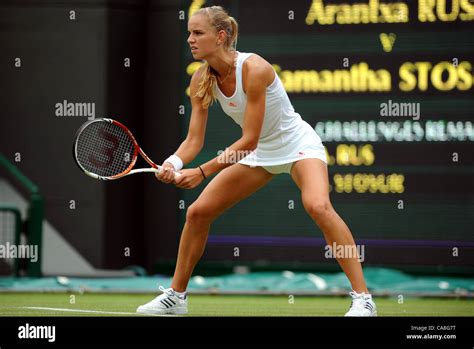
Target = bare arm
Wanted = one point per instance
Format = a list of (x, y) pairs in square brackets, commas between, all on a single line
[(192, 145)]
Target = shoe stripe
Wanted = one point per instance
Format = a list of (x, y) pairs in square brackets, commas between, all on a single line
[(172, 301), (167, 300), (369, 306), (165, 304)]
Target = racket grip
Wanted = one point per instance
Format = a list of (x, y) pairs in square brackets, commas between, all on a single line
[(160, 169)]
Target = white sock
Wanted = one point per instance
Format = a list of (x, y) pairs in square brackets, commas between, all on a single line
[(365, 295), (181, 295)]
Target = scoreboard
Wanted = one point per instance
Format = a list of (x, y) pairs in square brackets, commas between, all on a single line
[(388, 86)]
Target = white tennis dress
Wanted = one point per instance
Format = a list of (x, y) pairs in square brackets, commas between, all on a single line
[(285, 136)]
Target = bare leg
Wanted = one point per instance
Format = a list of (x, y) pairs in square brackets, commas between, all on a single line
[(230, 186), (311, 176)]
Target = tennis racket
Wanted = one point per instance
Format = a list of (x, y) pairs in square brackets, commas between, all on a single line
[(105, 149)]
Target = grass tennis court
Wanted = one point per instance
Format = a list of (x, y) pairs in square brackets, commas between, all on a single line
[(89, 304)]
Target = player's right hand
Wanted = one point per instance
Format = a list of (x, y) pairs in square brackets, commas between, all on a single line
[(167, 175)]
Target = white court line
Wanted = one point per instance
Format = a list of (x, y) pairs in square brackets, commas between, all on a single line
[(90, 311)]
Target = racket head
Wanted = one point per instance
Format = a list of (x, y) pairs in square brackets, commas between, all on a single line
[(105, 149)]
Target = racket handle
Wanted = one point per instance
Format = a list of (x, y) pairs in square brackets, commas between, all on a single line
[(153, 170), (160, 168)]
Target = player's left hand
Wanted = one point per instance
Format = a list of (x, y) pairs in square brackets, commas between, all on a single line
[(189, 179)]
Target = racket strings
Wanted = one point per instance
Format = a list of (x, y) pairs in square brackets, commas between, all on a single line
[(104, 149)]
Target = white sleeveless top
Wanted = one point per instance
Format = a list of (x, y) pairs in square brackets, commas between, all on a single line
[(285, 136)]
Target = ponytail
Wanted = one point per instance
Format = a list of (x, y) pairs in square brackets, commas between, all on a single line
[(220, 20)]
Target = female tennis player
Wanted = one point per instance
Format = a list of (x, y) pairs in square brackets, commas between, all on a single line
[(274, 140)]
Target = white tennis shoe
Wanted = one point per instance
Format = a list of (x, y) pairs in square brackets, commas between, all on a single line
[(362, 305), (167, 303)]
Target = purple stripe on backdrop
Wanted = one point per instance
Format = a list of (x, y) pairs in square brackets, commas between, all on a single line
[(305, 241)]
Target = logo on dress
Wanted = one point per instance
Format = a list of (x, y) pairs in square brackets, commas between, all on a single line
[(300, 153), (232, 104)]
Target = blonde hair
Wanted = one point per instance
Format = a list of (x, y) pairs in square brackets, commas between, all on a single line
[(219, 19)]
